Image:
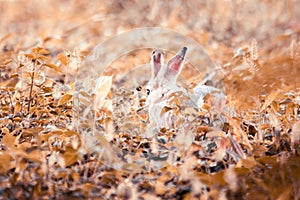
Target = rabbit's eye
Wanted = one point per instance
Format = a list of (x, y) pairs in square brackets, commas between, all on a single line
[(148, 91), (153, 52), (139, 88)]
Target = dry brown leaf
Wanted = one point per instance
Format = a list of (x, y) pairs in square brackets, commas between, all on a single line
[(52, 66), (7, 61), (215, 133), (259, 150), (64, 99), (6, 162), (17, 107), (9, 141), (63, 59), (239, 132), (31, 132), (5, 37), (31, 56), (70, 156), (264, 126), (40, 50), (31, 153), (160, 188), (270, 98), (206, 106), (10, 83), (75, 176), (41, 58), (249, 163), (47, 90), (164, 110)]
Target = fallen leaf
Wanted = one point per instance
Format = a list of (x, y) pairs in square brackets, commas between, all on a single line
[(64, 99)]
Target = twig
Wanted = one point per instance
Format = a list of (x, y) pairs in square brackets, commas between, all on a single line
[(31, 86)]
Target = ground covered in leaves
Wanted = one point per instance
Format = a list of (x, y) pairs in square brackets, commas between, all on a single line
[(54, 145)]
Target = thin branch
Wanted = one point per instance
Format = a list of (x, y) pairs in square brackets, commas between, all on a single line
[(31, 86)]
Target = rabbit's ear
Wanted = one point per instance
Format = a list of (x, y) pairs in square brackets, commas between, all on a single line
[(175, 64), (157, 61)]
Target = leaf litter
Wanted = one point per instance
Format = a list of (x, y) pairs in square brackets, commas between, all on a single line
[(47, 147)]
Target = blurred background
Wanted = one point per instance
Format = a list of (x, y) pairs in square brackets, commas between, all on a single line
[(83, 24), (226, 29)]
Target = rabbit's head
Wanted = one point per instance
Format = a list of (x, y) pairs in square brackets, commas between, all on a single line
[(164, 76)]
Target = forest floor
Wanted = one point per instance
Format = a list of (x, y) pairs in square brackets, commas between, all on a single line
[(73, 117)]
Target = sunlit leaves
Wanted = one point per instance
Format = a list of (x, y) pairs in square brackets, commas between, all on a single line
[(42, 158)]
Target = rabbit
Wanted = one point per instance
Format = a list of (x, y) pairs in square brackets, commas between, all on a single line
[(163, 83)]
